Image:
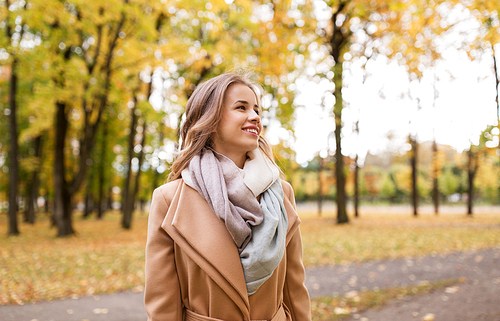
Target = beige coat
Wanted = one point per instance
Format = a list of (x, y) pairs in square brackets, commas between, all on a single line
[(193, 270)]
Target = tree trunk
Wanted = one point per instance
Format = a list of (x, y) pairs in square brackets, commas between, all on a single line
[(46, 196), (338, 41), (156, 176), (141, 160), (497, 84), (356, 187), (339, 160), (13, 135), (109, 202), (128, 214), (471, 171), (62, 197), (413, 161), (131, 138), (14, 165), (435, 169), (320, 186), (100, 203), (29, 215), (89, 199)]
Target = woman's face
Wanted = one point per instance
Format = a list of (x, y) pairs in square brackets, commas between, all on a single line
[(240, 126)]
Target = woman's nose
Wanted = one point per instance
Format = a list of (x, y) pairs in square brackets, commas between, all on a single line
[(254, 116)]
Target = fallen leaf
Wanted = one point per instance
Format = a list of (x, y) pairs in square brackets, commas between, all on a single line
[(428, 317), (339, 310), (351, 294), (138, 289), (451, 289), (100, 311)]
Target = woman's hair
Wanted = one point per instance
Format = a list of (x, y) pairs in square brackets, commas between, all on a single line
[(203, 114)]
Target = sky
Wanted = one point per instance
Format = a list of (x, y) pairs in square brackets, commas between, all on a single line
[(464, 106)]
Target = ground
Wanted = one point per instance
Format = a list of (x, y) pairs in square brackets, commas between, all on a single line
[(475, 296), (449, 285)]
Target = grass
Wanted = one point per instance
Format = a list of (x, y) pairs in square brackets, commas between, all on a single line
[(339, 307), (384, 236), (104, 258), (101, 258)]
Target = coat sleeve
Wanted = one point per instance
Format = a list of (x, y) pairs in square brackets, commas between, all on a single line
[(162, 295), (296, 296)]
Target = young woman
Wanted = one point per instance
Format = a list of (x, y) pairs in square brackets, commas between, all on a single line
[(223, 238)]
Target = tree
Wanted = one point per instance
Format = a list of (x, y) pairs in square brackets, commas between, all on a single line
[(13, 47), (103, 163), (435, 175), (138, 118), (472, 166), (88, 45), (34, 182), (436, 171), (414, 45), (387, 188), (413, 163), (475, 156), (351, 21), (487, 41), (449, 182)]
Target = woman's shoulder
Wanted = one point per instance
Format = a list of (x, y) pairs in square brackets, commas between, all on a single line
[(287, 188), (167, 190)]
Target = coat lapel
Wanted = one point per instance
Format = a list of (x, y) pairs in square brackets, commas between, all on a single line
[(293, 218), (198, 231)]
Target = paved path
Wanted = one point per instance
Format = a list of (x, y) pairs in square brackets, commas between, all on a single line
[(331, 281), (476, 299)]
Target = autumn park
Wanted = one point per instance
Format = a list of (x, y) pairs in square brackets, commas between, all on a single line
[(383, 115)]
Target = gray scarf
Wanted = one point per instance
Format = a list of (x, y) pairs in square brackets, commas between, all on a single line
[(258, 229)]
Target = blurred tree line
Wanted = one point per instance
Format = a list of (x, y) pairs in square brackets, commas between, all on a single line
[(92, 93), (386, 178)]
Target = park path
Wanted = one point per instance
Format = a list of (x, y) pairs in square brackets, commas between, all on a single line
[(478, 298)]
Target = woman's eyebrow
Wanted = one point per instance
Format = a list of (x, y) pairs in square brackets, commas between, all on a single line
[(244, 102), (241, 101)]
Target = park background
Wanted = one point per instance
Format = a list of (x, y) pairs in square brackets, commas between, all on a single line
[(372, 105)]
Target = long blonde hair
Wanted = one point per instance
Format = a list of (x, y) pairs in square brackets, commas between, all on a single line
[(203, 113)]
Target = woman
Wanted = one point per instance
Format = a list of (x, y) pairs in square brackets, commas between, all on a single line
[(223, 238)]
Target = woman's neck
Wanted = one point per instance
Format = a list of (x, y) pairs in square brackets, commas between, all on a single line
[(238, 159)]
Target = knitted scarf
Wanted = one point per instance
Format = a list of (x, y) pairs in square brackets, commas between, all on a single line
[(257, 228)]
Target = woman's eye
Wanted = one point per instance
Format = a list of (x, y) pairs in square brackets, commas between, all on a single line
[(257, 111), (240, 107)]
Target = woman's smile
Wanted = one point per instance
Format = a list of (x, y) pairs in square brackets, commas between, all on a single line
[(254, 130)]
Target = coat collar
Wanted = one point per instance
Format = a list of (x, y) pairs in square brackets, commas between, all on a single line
[(195, 228)]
